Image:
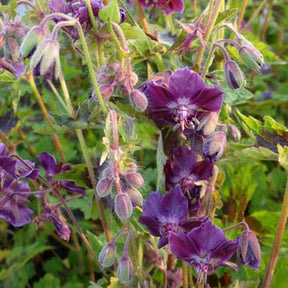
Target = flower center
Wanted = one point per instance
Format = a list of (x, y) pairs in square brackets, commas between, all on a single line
[(166, 227)]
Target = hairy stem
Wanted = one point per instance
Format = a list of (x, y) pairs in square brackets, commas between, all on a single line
[(142, 17), (45, 113), (277, 241), (214, 14)]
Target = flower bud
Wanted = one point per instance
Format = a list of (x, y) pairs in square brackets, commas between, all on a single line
[(235, 132), (251, 57), (106, 91), (125, 270), (104, 187), (214, 146), (132, 166), (31, 41), (234, 76), (138, 100), (129, 126), (135, 197), (108, 254), (249, 251), (207, 123), (45, 58), (134, 179), (123, 206)]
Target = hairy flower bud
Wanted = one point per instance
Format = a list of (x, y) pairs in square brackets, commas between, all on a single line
[(207, 123), (125, 270), (251, 57), (249, 251), (108, 254), (135, 196), (134, 179), (104, 187), (138, 100), (234, 76), (31, 41), (123, 206), (44, 60), (129, 126), (214, 146), (132, 166), (235, 132)]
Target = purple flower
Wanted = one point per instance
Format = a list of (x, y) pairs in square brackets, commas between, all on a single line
[(51, 168), (15, 68), (164, 213), (13, 203), (249, 251), (182, 168), (205, 247), (168, 6), (185, 97), (53, 215)]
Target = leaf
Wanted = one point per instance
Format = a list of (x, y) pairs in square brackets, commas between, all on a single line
[(10, 9), (18, 257), (110, 12), (48, 281), (227, 15), (6, 76), (161, 160), (283, 156), (236, 96), (77, 174), (132, 32), (251, 154)]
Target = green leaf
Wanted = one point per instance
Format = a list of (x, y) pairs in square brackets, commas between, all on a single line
[(77, 174), (251, 154), (110, 12), (6, 76), (283, 156), (18, 257), (227, 15), (10, 9), (48, 281), (132, 32), (236, 96)]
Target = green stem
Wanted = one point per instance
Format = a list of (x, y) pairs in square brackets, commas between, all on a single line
[(92, 18), (84, 148), (170, 24), (277, 241), (90, 68), (214, 14), (141, 15), (27, 3), (185, 275), (255, 14), (7, 142), (242, 12)]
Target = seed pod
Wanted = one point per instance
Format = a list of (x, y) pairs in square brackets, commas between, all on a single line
[(123, 206), (31, 41), (44, 61), (135, 196), (207, 123), (125, 270), (214, 146), (251, 57), (138, 100), (134, 179), (104, 187), (107, 255), (234, 75)]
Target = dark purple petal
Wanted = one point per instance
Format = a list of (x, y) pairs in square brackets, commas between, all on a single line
[(3, 150), (210, 99), (201, 236), (186, 83), (162, 241), (16, 68), (152, 225), (49, 163), (174, 205), (71, 186), (8, 214), (225, 250), (182, 246), (28, 170), (152, 204), (8, 164), (203, 170)]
